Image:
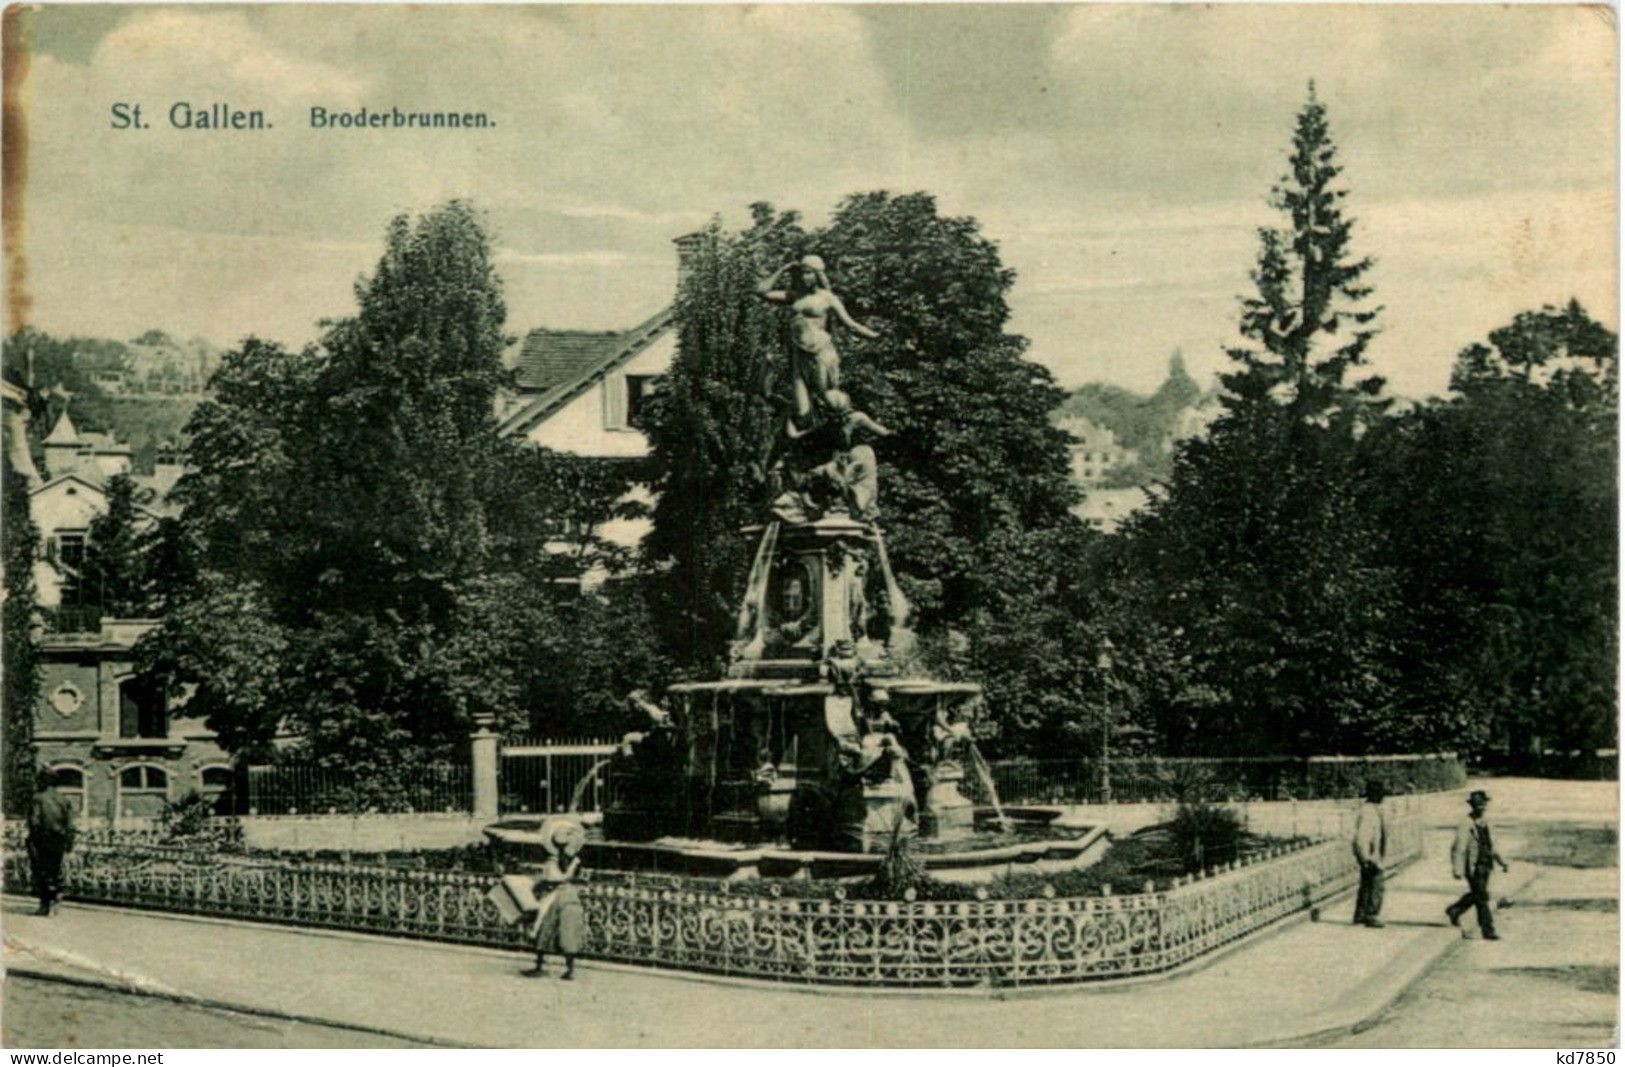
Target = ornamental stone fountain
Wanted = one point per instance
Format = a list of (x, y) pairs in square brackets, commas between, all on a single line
[(819, 742)]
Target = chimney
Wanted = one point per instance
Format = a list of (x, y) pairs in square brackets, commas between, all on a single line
[(688, 246)]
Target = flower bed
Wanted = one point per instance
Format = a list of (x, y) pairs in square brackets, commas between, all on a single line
[(995, 943)]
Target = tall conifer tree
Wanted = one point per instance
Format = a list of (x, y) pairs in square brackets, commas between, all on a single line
[(1310, 321), (1277, 593)]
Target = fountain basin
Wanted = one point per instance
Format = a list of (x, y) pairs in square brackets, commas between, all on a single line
[(1036, 839)]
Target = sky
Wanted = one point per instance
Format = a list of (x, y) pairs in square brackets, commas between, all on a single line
[(1121, 157)]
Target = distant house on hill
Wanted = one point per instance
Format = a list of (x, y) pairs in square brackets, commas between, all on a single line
[(1126, 440), (1105, 509), (1094, 452)]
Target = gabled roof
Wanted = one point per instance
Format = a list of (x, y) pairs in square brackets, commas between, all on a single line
[(550, 357), (99, 490), (144, 509), (556, 366), (64, 432)]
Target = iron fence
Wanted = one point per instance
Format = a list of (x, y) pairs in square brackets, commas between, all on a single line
[(305, 789), (1162, 780), (553, 776), (987, 943)]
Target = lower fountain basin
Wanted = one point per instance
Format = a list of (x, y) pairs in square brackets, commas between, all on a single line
[(1034, 839)]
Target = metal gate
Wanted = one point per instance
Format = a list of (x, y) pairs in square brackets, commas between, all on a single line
[(545, 776)]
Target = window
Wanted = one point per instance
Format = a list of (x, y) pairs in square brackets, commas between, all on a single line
[(70, 782), (143, 778), (69, 548), (216, 778), (625, 396), (141, 710), (639, 388)]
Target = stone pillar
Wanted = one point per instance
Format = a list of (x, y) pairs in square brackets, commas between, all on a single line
[(483, 762)]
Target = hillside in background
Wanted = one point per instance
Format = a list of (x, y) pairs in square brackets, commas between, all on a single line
[(142, 390), (1147, 425)]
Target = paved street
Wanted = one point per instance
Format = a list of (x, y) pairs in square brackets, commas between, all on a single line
[(49, 1014), (1548, 983), (1554, 980)]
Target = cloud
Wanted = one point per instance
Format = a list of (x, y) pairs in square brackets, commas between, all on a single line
[(1119, 154), (215, 52)]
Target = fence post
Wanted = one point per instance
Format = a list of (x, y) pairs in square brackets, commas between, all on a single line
[(483, 760)]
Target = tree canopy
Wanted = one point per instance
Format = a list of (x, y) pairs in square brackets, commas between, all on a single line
[(365, 565)]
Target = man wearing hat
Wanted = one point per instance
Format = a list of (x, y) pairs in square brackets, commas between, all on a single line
[(1472, 856), (50, 837), (1370, 849)]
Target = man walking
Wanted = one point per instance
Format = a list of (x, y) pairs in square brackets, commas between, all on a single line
[(1370, 849), (50, 836), (1472, 856)]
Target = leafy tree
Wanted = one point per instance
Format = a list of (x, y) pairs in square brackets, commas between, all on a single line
[(580, 656), (1273, 585), (362, 562), (337, 517), (1500, 502), (975, 453), (708, 425), (1035, 642), (19, 653)]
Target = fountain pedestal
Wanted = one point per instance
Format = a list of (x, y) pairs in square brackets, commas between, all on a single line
[(808, 600), (951, 812)]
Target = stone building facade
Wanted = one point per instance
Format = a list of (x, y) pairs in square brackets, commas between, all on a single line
[(111, 742)]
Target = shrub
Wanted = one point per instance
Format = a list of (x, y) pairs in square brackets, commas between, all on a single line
[(1203, 834), (186, 817)]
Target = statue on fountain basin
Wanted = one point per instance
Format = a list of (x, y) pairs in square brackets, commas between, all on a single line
[(815, 363)]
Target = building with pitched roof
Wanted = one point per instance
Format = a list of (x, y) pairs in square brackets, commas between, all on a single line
[(79, 466), (112, 742), (580, 391)]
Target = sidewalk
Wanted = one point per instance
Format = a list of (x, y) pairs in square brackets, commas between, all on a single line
[(1304, 980)]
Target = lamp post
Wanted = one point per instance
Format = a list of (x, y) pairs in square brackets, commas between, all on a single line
[(1104, 662)]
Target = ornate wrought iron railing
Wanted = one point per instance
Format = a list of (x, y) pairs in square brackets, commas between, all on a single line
[(991, 943)]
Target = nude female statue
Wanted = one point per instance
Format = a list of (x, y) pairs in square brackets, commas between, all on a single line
[(815, 364)]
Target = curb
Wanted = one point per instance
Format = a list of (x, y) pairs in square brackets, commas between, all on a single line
[(195, 1001), (1376, 996)]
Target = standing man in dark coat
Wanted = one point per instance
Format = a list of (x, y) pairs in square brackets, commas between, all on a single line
[(1473, 856), (50, 836), (1370, 850)]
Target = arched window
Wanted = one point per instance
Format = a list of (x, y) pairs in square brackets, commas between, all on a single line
[(70, 782), (215, 778), (143, 778)]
